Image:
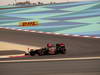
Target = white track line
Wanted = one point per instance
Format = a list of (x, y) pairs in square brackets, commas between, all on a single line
[(46, 60), (8, 56)]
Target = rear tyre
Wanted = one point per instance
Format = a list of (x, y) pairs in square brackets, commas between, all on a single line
[(63, 51)]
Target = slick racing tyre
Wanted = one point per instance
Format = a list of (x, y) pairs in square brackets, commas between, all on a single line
[(32, 53), (63, 51)]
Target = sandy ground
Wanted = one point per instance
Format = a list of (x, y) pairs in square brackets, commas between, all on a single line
[(13, 46)]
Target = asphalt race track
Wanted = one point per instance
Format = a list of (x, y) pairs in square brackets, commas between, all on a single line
[(76, 47), (86, 67), (10, 52)]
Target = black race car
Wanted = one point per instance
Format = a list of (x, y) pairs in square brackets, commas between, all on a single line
[(49, 50)]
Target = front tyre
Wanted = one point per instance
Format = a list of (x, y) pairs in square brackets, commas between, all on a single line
[(32, 53)]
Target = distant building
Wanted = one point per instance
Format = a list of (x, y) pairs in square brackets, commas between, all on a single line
[(40, 3), (52, 2), (23, 3), (28, 3), (34, 4)]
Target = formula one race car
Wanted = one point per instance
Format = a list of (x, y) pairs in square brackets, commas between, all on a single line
[(49, 50)]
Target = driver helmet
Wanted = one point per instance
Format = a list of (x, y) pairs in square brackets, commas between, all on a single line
[(62, 44)]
